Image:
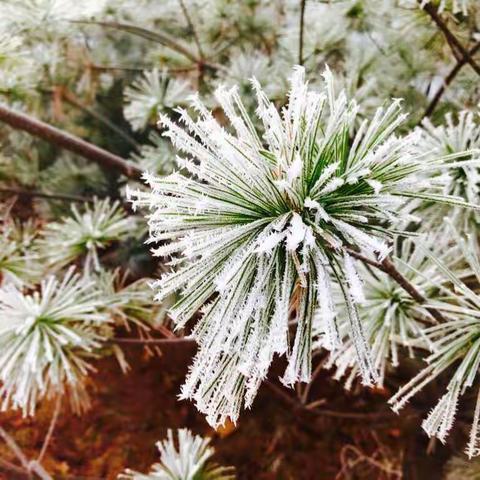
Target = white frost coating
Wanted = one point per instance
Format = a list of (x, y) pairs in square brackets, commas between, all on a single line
[(258, 226)]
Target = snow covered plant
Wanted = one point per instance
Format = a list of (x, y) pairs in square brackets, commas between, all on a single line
[(455, 6), (391, 319), (16, 265), (463, 180), (84, 234), (46, 339), (189, 462), (259, 226), (454, 342), (151, 93)]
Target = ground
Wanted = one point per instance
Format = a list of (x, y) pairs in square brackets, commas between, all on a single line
[(350, 436)]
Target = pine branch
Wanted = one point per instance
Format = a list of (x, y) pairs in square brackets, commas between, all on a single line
[(388, 267), (158, 37), (72, 143)]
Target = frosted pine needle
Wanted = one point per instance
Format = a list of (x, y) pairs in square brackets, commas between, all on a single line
[(454, 343), (84, 234), (46, 339), (190, 461), (463, 179), (257, 225), (392, 320), (151, 93)]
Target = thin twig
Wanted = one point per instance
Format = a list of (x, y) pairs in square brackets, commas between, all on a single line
[(6, 465), (451, 38), (72, 100), (159, 37), (298, 406), (302, 31), (388, 267), (12, 444), (308, 386), (449, 79), (37, 128), (192, 28), (51, 428)]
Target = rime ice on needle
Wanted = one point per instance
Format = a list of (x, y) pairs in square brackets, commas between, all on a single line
[(462, 179), (454, 343), (84, 234), (257, 228), (392, 320), (189, 462), (46, 339)]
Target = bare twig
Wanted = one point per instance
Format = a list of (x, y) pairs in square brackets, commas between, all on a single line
[(13, 446), (302, 31), (51, 428), (6, 465), (308, 386), (159, 37), (192, 28), (298, 406), (68, 141), (461, 52), (388, 267), (449, 79)]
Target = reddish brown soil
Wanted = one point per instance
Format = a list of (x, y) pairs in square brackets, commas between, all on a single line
[(274, 440)]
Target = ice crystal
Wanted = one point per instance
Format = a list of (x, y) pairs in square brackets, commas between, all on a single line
[(46, 339), (151, 93), (392, 320), (84, 234), (18, 264), (191, 461), (255, 226), (454, 343), (463, 180)]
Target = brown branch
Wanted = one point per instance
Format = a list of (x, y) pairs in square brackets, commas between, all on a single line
[(192, 28), (72, 143), (299, 407), (302, 31), (51, 428), (387, 266), (452, 40), (449, 79)]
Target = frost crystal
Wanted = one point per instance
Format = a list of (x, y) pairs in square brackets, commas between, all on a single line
[(258, 226), (189, 462), (46, 338), (84, 234), (392, 320), (455, 342)]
